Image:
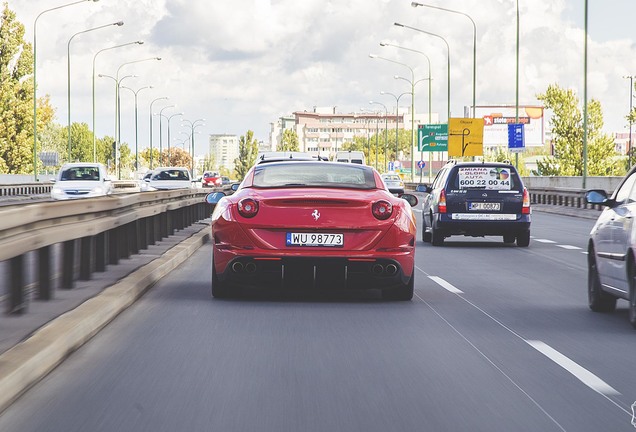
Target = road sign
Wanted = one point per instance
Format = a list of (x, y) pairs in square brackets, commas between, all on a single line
[(421, 164), (516, 137), (391, 166), (465, 137), (432, 137)]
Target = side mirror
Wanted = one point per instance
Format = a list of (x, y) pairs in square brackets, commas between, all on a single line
[(235, 186), (423, 188), (214, 197), (411, 199), (597, 196)]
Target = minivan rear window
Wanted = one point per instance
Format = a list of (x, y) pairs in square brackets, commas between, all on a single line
[(485, 177)]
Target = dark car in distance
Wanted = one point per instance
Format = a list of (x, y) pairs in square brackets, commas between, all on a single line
[(476, 199)]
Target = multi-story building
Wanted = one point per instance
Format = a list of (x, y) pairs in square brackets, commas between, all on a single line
[(225, 149), (323, 131)]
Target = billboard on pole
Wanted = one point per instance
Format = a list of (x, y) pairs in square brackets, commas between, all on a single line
[(496, 120)]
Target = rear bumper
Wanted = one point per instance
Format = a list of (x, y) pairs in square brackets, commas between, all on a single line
[(324, 273), (450, 226)]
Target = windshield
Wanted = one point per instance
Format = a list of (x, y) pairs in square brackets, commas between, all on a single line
[(313, 174), (80, 173), (174, 174)]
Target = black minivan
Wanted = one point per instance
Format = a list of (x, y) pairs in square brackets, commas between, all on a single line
[(476, 199)]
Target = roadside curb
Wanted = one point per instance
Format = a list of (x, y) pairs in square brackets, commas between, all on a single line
[(31, 360)]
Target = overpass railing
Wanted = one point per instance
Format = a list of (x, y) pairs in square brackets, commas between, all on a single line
[(89, 234)]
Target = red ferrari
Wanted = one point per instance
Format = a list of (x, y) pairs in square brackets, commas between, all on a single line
[(313, 225)]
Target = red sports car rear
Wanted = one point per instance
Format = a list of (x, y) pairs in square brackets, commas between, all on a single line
[(313, 225)]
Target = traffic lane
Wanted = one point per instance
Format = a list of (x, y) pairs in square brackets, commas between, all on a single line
[(178, 360), (561, 229), (538, 299)]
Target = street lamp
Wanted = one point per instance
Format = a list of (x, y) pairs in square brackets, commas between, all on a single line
[(412, 107), (397, 107), (117, 84), (135, 92), (35, 97), (386, 133), (161, 133), (416, 4), (631, 108), (193, 125), (448, 57), (94, 58), (150, 135), (168, 118), (68, 75)]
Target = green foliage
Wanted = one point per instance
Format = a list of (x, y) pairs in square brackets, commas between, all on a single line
[(248, 151), (368, 146), (209, 162), (289, 141), (503, 155), (16, 97), (567, 135)]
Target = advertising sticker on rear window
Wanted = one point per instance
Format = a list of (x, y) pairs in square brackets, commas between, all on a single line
[(485, 177)]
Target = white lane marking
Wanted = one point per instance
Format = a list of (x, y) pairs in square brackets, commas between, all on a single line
[(447, 286), (585, 376), (569, 247), (544, 240)]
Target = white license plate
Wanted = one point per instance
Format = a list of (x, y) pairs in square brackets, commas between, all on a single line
[(315, 239), (491, 206)]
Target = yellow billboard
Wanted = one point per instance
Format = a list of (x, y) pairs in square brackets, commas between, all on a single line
[(465, 137)]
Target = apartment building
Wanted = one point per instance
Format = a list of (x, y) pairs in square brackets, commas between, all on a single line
[(225, 149)]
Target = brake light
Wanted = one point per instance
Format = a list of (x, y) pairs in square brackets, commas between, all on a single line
[(525, 209), (382, 209), (247, 207), (441, 205)]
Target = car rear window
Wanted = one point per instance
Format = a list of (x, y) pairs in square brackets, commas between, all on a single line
[(80, 173), (485, 177), (171, 175), (298, 174)]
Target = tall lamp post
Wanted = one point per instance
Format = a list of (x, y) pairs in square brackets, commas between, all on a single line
[(584, 89), (416, 4), (135, 92), (631, 108), (386, 133), (193, 125), (168, 118), (448, 57), (397, 108), (35, 86), (94, 58), (68, 75), (150, 134), (161, 133), (412, 107)]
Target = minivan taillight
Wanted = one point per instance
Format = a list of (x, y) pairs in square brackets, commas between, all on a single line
[(441, 205), (382, 209), (247, 207), (525, 209)]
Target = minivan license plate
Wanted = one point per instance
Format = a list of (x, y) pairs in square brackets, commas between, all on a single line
[(491, 206), (315, 239)]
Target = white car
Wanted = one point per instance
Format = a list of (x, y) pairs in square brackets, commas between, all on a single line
[(168, 178), (394, 183), (81, 180)]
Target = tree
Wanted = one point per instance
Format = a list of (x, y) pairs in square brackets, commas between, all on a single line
[(248, 151), (567, 136), (289, 141), (178, 157), (16, 97), (209, 162)]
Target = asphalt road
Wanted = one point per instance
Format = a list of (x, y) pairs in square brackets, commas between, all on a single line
[(497, 338)]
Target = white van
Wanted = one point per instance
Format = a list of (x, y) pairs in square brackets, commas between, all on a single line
[(350, 157)]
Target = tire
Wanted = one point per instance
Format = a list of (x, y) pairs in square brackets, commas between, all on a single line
[(523, 239), (404, 293), (632, 296), (426, 236), (509, 238), (598, 300), (220, 290), (437, 237)]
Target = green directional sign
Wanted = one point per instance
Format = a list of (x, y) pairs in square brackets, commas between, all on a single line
[(432, 137)]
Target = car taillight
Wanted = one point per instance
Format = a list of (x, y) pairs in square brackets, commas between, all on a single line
[(247, 207), (441, 206), (382, 209), (525, 209)]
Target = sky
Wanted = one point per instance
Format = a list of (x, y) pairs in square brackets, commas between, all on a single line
[(242, 64)]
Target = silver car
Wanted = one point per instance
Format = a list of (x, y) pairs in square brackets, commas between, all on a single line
[(394, 183), (81, 180), (611, 259)]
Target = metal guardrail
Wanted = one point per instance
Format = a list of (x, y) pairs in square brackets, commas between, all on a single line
[(91, 233)]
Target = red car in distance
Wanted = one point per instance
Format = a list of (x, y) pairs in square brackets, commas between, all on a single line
[(211, 179), (303, 225)]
